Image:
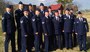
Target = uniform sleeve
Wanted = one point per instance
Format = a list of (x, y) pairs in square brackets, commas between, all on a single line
[(16, 16), (74, 17), (4, 23), (23, 27), (34, 25), (44, 26), (87, 26), (16, 13), (75, 26), (62, 22), (14, 24)]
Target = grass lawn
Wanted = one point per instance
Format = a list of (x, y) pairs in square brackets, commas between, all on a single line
[(76, 49)]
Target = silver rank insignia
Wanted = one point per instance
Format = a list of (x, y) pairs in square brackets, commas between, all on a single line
[(21, 21), (43, 22), (33, 19), (2, 18)]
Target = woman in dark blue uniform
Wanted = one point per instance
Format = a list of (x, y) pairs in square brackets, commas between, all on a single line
[(37, 28)]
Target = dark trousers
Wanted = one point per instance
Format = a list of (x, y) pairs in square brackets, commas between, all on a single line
[(41, 41), (19, 39), (52, 42), (26, 43), (82, 42), (46, 42), (10, 37), (68, 40), (62, 40), (23, 45), (58, 41), (30, 42), (37, 43), (74, 39)]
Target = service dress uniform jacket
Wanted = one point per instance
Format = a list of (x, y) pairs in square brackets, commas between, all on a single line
[(81, 28), (47, 29), (68, 28), (18, 15), (8, 26), (37, 28)]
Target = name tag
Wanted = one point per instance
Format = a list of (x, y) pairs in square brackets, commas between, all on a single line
[(65, 18), (77, 22), (74, 22), (84, 21)]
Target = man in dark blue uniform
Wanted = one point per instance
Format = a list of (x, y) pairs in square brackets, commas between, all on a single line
[(18, 15), (81, 29), (68, 27), (42, 10), (26, 31), (62, 35), (37, 27), (42, 13), (73, 33), (60, 12), (47, 29), (8, 27), (51, 37), (50, 12), (57, 20), (31, 14)]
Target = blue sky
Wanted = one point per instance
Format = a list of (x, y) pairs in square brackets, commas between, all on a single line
[(82, 4)]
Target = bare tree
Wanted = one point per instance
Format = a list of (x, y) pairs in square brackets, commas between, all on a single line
[(3, 4)]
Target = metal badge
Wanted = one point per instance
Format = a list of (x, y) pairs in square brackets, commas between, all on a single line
[(77, 22)]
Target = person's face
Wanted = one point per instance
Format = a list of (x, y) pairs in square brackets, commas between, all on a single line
[(71, 11), (37, 12), (79, 15), (59, 11), (8, 9), (30, 7), (56, 14), (26, 13), (20, 6), (66, 12), (46, 14), (49, 10), (42, 7)]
